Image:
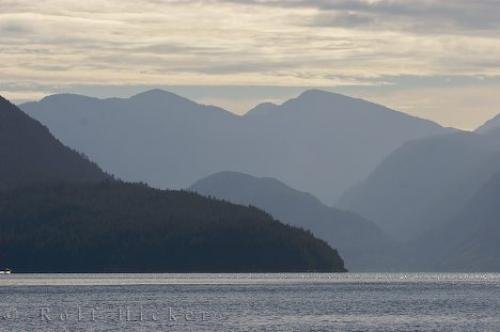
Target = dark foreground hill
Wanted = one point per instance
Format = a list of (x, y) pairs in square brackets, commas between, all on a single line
[(360, 242), (29, 153), (118, 227)]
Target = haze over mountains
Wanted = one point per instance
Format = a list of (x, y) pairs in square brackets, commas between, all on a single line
[(360, 242), (440, 195), (467, 242), (425, 182), (319, 142), (60, 213)]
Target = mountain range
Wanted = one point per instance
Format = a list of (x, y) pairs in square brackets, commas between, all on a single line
[(60, 213), (425, 182), (423, 197), (319, 142)]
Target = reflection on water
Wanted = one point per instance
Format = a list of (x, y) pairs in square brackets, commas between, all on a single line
[(250, 302)]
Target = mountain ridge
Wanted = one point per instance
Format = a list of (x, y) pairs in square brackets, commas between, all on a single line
[(359, 241), (336, 138), (424, 182)]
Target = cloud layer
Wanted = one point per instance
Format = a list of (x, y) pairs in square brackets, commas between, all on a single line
[(327, 43)]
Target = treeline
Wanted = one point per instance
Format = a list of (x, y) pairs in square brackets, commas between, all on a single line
[(119, 227)]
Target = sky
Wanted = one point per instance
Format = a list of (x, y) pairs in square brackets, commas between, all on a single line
[(436, 59)]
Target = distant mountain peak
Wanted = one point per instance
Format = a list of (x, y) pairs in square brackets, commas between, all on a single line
[(156, 93), (66, 98), (318, 93), (315, 94), (308, 96), (160, 98), (262, 109), (232, 177), (322, 99)]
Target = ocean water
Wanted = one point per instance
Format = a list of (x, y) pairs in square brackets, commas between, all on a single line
[(250, 302)]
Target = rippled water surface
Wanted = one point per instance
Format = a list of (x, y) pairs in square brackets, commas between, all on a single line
[(250, 302)]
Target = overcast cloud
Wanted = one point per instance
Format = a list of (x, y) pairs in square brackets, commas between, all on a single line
[(56, 45)]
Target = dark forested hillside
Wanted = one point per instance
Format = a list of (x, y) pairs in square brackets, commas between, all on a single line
[(29, 153), (113, 226)]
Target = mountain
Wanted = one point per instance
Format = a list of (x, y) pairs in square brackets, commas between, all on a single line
[(361, 243), (119, 227), (319, 142), (489, 125), (425, 182), (154, 137), (327, 142), (29, 153), (468, 242)]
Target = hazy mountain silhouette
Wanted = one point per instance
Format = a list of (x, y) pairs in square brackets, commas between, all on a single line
[(119, 227), (319, 142), (469, 242), (29, 153), (155, 137), (489, 125), (326, 142), (425, 182), (360, 242)]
